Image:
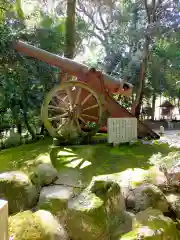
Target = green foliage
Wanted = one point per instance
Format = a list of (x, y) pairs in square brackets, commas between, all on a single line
[(13, 140), (121, 31), (23, 80), (18, 9)]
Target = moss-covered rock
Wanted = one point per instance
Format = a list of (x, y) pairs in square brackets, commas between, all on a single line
[(55, 199), (144, 233), (145, 196), (44, 174), (40, 225), (122, 226), (98, 211), (168, 161), (132, 178), (86, 217), (110, 191), (174, 201), (174, 175), (151, 224), (136, 177), (18, 190), (157, 177)]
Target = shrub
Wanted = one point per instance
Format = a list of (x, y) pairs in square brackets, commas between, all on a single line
[(14, 139)]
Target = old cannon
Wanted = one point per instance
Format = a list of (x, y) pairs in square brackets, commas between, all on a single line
[(82, 97)]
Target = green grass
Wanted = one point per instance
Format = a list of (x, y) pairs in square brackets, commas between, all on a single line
[(102, 159), (88, 160), (15, 158)]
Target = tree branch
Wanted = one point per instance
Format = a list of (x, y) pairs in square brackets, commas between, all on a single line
[(101, 18), (97, 36), (91, 18), (2, 8), (105, 27), (147, 11)]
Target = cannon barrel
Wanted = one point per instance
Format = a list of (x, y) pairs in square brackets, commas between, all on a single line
[(67, 65)]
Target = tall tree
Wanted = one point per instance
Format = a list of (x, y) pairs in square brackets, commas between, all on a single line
[(70, 29), (128, 30)]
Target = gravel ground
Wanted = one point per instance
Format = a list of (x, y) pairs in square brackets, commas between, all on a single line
[(171, 137)]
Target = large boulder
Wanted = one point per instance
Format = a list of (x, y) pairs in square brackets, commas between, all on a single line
[(151, 224), (86, 217), (127, 180), (145, 196), (158, 178), (55, 199), (122, 226), (137, 176), (44, 174), (174, 175), (133, 178), (109, 190), (40, 225), (170, 164), (174, 201), (98, 211), (18, 190)]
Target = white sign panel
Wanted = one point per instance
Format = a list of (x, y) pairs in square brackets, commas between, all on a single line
[(122, 130), (3, 220)]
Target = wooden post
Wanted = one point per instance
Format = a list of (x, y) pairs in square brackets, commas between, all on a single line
[(3, 220)]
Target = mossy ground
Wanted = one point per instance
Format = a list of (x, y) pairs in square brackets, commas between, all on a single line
[(100, 159), (90, 160), (16, 157)]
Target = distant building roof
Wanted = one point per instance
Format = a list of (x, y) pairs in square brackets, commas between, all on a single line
[(167, 104)]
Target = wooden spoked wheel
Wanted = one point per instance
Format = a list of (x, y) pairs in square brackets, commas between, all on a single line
[(72, 103)]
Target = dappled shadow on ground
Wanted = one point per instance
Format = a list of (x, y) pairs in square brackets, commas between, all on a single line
[(86, 161), (99, 159), (15, 158)]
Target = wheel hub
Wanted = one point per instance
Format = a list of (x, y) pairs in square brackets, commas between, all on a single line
[(75, 112)]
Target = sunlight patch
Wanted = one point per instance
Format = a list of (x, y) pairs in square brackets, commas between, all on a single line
[(68, 149), (85, 164), (43, 158), (155, 158), (66, 153), (74, 163), (172, 198), (69, 159)]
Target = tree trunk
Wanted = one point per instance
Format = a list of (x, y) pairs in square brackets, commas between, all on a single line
[(139, 94), (16, 118), (160, 109), (42, 129), (25, 118), (70, 29), (151, 18), (153, 106), (138, 106), (28, 126)]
